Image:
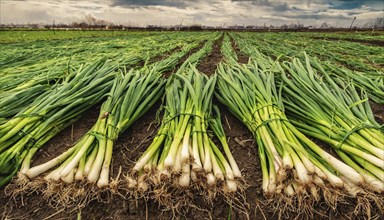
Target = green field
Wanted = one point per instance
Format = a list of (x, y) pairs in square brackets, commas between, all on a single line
[(196, 124)]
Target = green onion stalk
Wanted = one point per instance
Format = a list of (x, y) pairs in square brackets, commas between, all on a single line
[(12, 102), (330, 109), (292, 165), (183, 151), (228, 52), (370, 82), (17, 92), (51, 112), (38, 74)]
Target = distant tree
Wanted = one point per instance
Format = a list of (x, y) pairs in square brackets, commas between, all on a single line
[(75, 24), (91, 20), (83, 25), (293, 26), (324, 25), (195, 27), (284, 27), (368, 25), (379, 24)]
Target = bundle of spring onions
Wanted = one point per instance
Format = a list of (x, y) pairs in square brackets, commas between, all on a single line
[(34, 75), (330, 109), (292, 165), (183, 151), (15, 100), (132, 94), (15, 97), (22, 88), (50, 113), (370, 82), (17, 91)]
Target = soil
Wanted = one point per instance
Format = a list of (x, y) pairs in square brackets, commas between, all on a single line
[(209, 63), (378, 112), (184, 58), (242, 58), (379, 43), (129, 147)]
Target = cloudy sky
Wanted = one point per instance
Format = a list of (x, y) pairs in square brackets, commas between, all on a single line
[(205, 12)]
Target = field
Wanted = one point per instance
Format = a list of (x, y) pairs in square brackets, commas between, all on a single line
[(221, 125)]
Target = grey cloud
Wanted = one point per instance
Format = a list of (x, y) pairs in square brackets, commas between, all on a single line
[(353, 13), (89, 7), (316, 16), (352, 4), (279, 6), (148, 3), (335, 4)]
